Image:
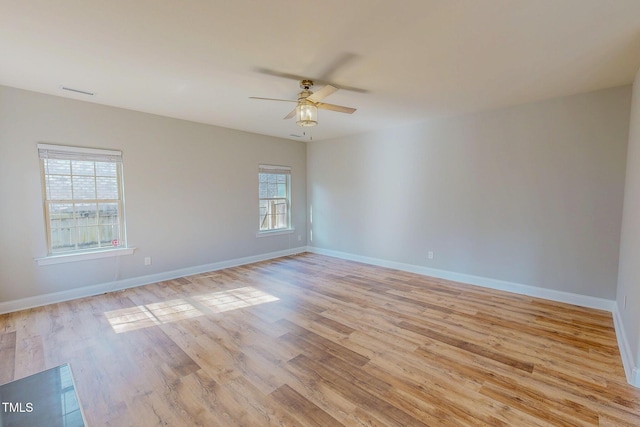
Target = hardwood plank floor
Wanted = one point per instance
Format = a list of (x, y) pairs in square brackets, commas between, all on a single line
[(310, 340)]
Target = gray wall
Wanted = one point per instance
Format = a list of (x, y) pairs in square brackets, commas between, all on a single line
[(530, 194), (190, 191), (629, 272)]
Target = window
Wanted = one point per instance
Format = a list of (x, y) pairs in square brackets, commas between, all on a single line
[(275, 197), (83, 200)]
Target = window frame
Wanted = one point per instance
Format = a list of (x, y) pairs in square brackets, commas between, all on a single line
[(95, 155), (276, 170)]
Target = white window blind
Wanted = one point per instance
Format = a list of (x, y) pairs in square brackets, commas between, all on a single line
[(47, 151), (83, 198), (274, 190), (282, 170)]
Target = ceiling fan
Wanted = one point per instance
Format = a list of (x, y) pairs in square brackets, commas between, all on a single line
[(308, 103)]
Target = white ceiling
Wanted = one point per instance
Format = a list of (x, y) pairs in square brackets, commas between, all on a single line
[(197, 59)]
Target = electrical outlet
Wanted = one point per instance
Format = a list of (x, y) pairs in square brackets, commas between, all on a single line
[(430, 254), (147, 260)]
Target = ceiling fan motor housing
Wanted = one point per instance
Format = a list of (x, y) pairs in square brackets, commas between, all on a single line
[(304, 94)]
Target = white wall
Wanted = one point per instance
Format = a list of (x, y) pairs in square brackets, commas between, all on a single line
[(530, 194), (190, 191), (629, 272)]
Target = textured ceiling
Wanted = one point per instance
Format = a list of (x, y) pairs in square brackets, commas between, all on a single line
[(417, 59)]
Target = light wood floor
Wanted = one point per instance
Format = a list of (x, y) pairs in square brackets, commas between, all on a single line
[(316, 341)]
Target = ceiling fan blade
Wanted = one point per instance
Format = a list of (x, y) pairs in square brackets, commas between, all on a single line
[(317, 81), (338, 108), (290, 115), (272, 99), (340, 62), (280, 74), (322, 93), (349, 88)]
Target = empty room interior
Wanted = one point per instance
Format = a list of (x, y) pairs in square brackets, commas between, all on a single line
[(336, 213)]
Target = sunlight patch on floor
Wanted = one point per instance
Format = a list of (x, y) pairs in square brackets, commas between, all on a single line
[(233, 299), (144, 316)]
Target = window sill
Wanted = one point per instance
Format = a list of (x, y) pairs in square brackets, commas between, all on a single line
[(275, 232), (59, 259)]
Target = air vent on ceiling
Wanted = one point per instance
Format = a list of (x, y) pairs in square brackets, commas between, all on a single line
[(84, 92)]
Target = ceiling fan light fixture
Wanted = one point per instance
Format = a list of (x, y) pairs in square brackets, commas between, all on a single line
[(306, 113)]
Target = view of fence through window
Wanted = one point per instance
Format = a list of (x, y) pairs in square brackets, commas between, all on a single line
[(274, 198), (83, 204)]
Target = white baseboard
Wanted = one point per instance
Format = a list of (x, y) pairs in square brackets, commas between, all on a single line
[(631, 371), (534, 291), (87, 291)]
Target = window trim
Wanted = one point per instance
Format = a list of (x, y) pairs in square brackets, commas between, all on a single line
[(282, 170), (82, 256), (276, 232), (51, 151)]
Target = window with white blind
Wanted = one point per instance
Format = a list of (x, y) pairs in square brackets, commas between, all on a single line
[(274, 189), (83, 198)]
